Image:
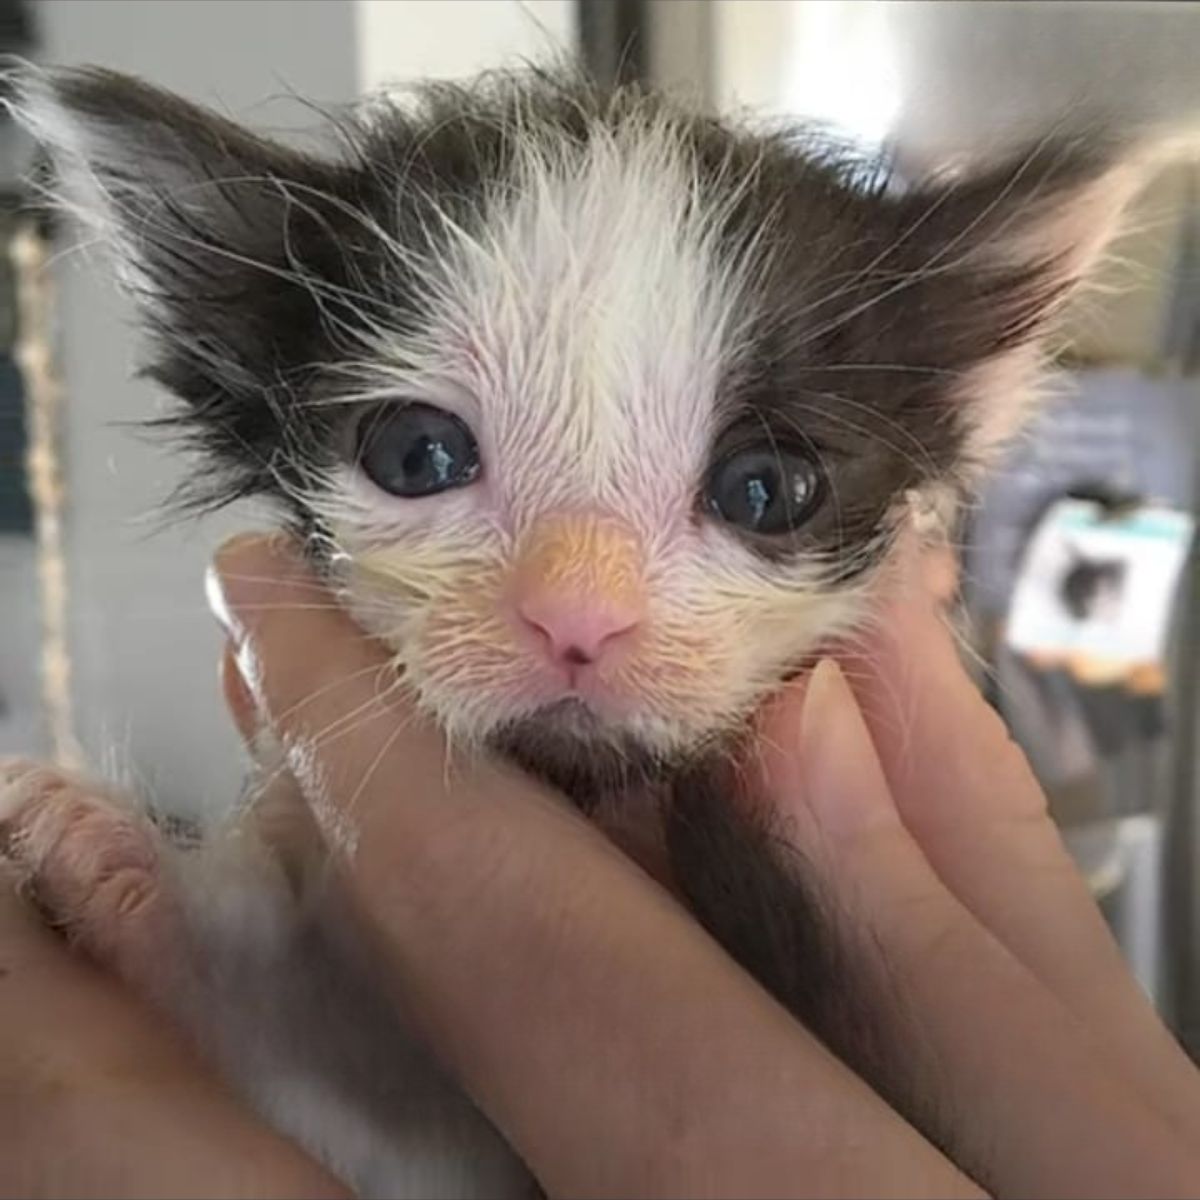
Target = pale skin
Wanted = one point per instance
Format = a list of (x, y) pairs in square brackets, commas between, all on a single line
[(616, 1046)]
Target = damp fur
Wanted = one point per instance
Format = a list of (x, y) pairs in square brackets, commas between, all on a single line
[(613, 292)]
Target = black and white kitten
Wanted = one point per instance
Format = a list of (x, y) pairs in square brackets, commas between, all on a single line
[(602, 414)]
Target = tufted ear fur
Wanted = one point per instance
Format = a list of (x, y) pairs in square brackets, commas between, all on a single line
[(237, 250), (990, 254)]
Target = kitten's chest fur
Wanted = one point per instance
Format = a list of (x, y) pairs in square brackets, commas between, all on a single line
[(284, 998)]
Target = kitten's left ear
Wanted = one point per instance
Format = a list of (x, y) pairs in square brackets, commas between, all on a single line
[(994, 254)]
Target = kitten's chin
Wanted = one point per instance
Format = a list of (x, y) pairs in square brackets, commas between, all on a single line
[(567, 746)]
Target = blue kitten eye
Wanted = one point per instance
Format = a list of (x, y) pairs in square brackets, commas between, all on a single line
[(767, 489), (416, 450)]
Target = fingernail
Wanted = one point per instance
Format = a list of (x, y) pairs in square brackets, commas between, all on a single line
[(238, 697), (214, 594), (825, 688), (843, 780)]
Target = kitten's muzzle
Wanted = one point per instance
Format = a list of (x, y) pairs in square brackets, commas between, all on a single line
[(578, 598)]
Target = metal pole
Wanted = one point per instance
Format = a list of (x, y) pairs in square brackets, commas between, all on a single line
[(612, 38)]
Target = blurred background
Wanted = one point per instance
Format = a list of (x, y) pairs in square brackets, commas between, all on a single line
[(107, 652)]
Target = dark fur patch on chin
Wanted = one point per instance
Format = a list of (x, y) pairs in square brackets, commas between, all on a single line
[(752, 890), (734, 865), (746, 883), (755, 893), (731, 859), (565, 746)]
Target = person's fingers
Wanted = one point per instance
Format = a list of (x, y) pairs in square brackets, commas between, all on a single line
[(612, 1042), (938, 570), (238, 699), (279, 814), (96, 1099), (970, 800), (972, 1046)]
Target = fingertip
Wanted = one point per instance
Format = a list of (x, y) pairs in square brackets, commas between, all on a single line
[(774, 765), (247, 573), (256, 549), (298, 666), (842, 772), (289, 640), (819, 759)]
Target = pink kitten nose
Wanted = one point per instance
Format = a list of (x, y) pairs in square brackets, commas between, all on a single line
[(577, 630)]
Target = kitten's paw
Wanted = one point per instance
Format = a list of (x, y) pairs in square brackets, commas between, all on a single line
[(94, 865)]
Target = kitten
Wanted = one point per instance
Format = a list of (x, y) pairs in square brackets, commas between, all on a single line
[(604, 415)]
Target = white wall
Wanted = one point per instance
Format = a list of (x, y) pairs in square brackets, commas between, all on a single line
[(23, 729), (949, 74), (144, 648), (402, 40), (992, 68), (940, 77)]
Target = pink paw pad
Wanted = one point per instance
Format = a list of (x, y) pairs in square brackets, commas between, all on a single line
[(90, 862)]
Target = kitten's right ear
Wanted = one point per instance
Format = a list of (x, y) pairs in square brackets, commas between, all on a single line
[(159, 177)]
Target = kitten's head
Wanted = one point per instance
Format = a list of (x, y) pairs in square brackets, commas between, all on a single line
[(603, 413)]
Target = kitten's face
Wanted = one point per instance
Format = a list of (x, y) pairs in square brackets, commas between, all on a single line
[(602, 414), (614, 534)]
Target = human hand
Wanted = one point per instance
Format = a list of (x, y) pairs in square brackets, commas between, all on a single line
[(98, 1098), (613, 1042)]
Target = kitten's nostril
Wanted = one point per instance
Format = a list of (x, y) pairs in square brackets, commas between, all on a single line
[(575, 632)]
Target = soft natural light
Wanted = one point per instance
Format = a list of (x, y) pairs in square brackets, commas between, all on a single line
[(842, 66)]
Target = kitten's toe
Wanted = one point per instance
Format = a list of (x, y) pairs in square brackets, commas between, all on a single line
[(93, 864)]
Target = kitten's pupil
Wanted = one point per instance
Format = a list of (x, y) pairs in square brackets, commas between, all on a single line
[(759, 492), (765, 489), (416, 450), (438, 457)]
